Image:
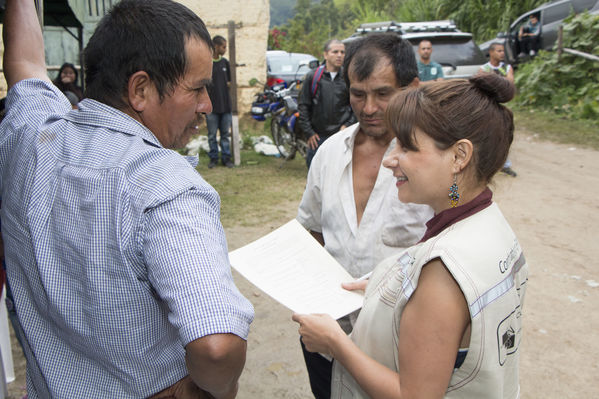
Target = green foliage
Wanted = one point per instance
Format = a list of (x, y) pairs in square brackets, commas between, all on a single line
[(313, 24), (547, 125), (416, 10), (281, 11), (484, 19), (315, 21), (567, 86), (364, 11), (275, 38)]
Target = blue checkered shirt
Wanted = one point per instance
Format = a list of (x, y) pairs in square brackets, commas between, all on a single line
[(115, 252)]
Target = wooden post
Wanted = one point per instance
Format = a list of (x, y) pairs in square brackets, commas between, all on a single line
[(560, 35), (233, 91)]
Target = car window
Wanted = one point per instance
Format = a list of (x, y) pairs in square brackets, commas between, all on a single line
[(515, 28), (287, 65), (453, 51), (556, 12), (582, 5)]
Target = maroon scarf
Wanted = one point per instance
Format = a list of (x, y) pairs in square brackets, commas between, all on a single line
[(452, 215)]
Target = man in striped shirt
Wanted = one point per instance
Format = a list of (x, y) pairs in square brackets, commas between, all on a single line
[(114, 249)]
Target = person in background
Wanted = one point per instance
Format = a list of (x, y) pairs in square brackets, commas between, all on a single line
[(443, 318), (428, 69), (221, 118), (529, 37), (497, 66), (114, 250), (323, 101), (66, 80), (350, 203)]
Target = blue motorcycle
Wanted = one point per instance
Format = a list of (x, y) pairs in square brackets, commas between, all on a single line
[(280, 104)]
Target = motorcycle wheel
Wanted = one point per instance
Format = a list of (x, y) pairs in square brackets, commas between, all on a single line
[(283, 140)]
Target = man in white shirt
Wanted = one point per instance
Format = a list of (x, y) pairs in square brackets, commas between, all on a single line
[(496, 65), (350, 204)]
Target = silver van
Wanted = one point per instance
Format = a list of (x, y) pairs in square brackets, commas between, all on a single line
[(455, 50), (550, 16)]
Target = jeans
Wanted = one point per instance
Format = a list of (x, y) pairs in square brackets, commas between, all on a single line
[(530, 43), (220, 122), (310, 153), (320, 373)]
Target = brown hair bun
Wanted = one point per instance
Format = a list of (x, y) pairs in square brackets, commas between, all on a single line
[(494, 86)]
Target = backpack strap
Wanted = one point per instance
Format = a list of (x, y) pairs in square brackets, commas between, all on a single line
[(316, 78)]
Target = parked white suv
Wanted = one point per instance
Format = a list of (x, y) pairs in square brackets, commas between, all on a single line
[(286, 68), (453, 49)]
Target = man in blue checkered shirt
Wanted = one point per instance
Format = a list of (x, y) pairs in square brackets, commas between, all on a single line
[(115, 253)]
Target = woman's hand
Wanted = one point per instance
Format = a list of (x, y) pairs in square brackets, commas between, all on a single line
[(355, 285), (319, 332)]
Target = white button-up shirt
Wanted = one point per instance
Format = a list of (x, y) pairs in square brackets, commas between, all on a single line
[(387, 226)]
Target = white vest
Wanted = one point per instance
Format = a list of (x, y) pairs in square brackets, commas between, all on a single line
[(485, 258)]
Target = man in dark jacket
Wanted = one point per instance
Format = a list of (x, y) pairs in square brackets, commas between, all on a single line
[(324, 99)]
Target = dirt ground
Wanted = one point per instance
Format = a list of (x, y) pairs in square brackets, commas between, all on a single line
[(552, 205)]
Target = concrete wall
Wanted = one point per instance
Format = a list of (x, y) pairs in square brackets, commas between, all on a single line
[(251, 17)]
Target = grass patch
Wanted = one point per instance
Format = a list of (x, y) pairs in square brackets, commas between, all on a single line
[(548, 126), (253, 192)]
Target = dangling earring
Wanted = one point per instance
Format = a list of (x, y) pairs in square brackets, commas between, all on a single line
[(454, 196)]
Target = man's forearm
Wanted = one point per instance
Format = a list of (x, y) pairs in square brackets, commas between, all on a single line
[(23, 43), (215, 363)]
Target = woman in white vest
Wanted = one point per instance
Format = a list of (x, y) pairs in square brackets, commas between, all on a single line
[(443, 318)]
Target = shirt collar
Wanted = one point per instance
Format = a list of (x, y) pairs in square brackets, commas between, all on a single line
[(446, 218), (97, 114), (350, 140)]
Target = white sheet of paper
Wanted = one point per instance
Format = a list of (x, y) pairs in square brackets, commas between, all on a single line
[(293, 268)]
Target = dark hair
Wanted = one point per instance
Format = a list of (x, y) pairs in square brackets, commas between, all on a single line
[(327, 45), (452, 110), (365, 53), (72, 87), (494, 45), (218, 40), (63, 67), (140, 35)]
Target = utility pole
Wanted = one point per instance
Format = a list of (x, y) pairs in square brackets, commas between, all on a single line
[(233, 92)]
